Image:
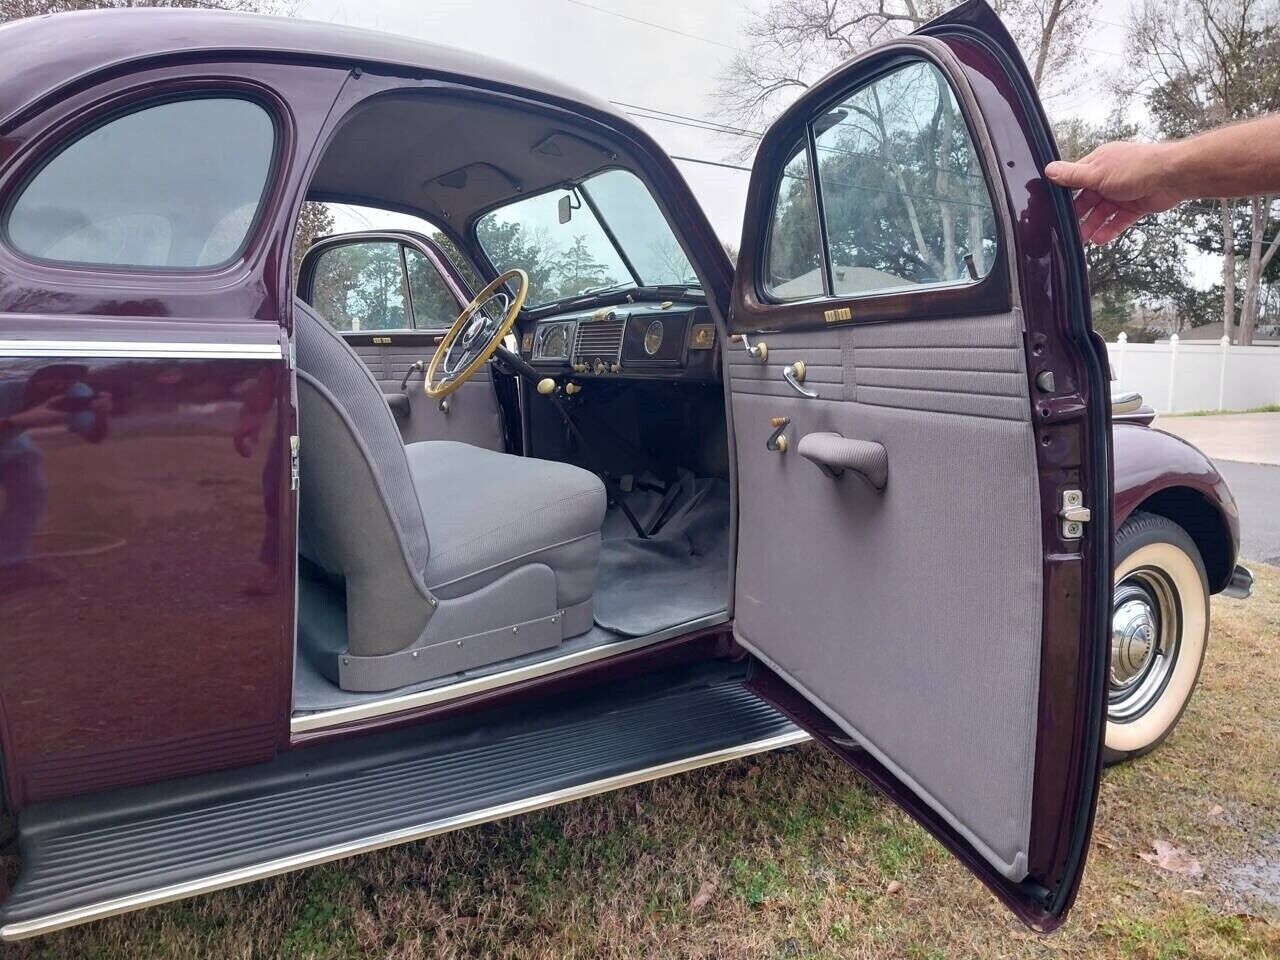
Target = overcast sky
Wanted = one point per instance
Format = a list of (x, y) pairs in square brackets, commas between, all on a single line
[(659, 54)]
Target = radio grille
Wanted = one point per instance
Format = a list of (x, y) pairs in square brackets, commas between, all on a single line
[(599, 339)]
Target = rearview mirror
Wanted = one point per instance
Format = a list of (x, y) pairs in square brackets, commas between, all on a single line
[(566, 208)]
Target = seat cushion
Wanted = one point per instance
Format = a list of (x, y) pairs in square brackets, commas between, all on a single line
[(488, 512)]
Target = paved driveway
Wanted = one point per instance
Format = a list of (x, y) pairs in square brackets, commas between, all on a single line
[(1242, 437), (1246, 448), (1257, 491)]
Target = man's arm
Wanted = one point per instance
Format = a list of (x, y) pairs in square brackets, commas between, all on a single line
[(1121, 182)]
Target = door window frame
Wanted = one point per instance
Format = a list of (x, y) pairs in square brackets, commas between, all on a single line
[(756, 308), (403, 239)]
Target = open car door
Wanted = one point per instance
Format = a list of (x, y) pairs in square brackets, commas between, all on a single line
[(920, 412)]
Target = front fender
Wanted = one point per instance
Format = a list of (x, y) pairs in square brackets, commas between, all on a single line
[(1160, 473)]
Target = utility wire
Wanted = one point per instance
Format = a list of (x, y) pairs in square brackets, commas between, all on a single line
[(712, 163), (656, 26), (658, 114)]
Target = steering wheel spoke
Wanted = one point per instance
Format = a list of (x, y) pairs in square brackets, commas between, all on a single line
[(476, 334)]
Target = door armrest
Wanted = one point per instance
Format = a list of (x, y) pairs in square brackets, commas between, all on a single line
[(835, 454), (399, 404)]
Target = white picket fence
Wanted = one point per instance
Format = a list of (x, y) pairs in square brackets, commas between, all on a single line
[(1179, 376)]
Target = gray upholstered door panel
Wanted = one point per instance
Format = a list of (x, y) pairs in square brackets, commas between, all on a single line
[(473, 417), (913, 613)]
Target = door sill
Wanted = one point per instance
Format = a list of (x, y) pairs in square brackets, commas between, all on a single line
[(98, 856), (397, 703)]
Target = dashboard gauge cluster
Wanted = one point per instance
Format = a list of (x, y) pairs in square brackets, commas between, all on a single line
[(552, 341), (651, 340)]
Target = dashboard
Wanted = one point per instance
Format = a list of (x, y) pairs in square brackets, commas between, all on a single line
[(646, 340)]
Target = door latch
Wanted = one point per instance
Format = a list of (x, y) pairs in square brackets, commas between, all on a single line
[(295, 444), (1073, 514)]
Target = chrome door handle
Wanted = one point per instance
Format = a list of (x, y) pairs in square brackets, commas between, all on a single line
[(794, 374)]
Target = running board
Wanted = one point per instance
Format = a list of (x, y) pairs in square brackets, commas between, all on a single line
[(99, 856)]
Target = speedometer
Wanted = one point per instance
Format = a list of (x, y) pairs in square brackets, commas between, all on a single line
[(552, 341), (653, 338)]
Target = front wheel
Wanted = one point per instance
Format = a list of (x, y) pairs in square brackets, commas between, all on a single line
[(1159, 631)]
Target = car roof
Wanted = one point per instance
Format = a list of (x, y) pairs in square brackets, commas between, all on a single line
[(46, 54)]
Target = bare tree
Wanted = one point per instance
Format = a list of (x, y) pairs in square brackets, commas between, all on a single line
[(793, 42), (17, 9), (1199, 64)]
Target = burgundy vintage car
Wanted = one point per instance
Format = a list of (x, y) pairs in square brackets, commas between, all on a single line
[(554, 499)]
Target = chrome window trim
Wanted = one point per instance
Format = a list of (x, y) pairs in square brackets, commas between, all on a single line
[(136, 349), (322, 719), (377, 841)]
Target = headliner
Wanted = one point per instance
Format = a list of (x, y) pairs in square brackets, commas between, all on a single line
[(449, 157)]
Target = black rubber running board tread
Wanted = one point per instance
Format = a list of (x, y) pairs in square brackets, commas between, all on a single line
[(108, 854)]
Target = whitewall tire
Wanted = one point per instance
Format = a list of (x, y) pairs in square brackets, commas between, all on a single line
[(1159, 631)]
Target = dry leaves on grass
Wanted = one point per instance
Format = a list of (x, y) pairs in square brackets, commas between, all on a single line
[(703, 896), (1173, 859)]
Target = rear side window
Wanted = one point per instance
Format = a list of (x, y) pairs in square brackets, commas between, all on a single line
[(177, 185)]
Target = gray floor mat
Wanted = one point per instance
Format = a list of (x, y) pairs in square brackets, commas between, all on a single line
[(678, 575)]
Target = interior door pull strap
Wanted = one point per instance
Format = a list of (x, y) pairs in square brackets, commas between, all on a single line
[(835, 454)]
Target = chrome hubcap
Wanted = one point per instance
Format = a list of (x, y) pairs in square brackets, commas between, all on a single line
[(1145, 630)]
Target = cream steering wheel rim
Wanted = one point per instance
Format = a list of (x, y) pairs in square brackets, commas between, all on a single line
[(438, 390)]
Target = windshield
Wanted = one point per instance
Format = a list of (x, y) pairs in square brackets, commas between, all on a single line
[(568, 259)]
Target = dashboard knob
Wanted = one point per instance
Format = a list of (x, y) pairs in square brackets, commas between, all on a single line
[(572, 388), (600, 367), (546, 386)]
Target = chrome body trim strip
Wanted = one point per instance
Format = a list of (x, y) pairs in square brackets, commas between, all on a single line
[(230, 878), (321, 719), (139, 349)]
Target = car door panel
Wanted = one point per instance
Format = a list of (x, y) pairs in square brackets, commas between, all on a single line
[(943, 634), (939, 682), (473, 415), (394, 308)]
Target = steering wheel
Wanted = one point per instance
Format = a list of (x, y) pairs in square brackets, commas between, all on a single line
[(476, 334)]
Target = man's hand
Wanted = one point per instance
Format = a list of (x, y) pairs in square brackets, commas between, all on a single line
[(1118, 184)]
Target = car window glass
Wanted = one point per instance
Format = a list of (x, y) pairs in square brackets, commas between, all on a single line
[(177, 185), (562, 259), (360, 286), (642, 231), (793, 264), (434, 305), (904, 198)]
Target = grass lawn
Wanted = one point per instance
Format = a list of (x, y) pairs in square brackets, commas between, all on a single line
[(787, 855)]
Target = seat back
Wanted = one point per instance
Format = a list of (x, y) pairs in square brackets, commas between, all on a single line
[(359, 517)]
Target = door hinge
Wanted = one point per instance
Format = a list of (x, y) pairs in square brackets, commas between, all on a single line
[(295, 444), (1073, 514)]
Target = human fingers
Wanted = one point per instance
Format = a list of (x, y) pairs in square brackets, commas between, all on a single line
[(1096, 218), (1085, 201), (1074, 176), (1118, 224)]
